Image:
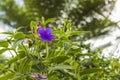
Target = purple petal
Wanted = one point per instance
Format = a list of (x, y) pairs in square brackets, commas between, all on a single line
[(42, 77), (44, 38), (39, 24), (48, 38), (46, 34), (51, 37), (48, 31), (35, 76), (41, 31), (38, 76)]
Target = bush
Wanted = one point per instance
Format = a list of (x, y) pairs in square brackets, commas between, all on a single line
[(57, 55)]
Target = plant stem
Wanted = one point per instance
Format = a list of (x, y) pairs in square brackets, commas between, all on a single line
[(36, 48), (11, 54), (27, 52), (14, 51), (47, 50)]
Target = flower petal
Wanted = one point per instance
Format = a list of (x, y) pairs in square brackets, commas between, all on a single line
[(35, 76), (38, 76), (41, 31), (48, 31), (39, 24), (44, 38), (46, 34), (51, 37), (42, 77)]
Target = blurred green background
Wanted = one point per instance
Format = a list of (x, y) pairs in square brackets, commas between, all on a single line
[(89, 15)]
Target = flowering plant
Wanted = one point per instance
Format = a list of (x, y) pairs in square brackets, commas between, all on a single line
[(48, 53)]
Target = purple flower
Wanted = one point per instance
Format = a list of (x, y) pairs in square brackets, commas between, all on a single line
[(46, 34), (39, 25), (38, 76)]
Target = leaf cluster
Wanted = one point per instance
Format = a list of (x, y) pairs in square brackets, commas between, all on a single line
[(67, 59)]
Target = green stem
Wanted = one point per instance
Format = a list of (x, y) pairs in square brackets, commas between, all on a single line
[(11, 54), (77, 73), (47, 54), (36, 47), (26, 52), (14, 51)]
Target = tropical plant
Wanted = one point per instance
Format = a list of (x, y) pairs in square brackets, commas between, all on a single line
[(53, 55)]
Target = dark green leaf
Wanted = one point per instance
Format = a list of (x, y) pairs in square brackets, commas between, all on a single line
[(24, 66), (7, 76), (3, 44), (3, 50), (88, 54), (60, 59), (66, 46), (89, 71)]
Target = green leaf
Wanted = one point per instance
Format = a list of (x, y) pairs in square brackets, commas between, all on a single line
[(60, 67), (16, 58), (66, 46), (19, 35), (49, 20), (88, 54), (7, 76), (59, 32), (19, 28), (53, 76), (9, 32), (43, 21), (89, 71), (68, 24), (3, 44), (3, 50), (24, 66), (12, 61), (75, 65), (77, 32), (60, 59), (33, 24)]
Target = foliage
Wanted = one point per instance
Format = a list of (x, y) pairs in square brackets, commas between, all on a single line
[(60, 59), (90, 15)]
